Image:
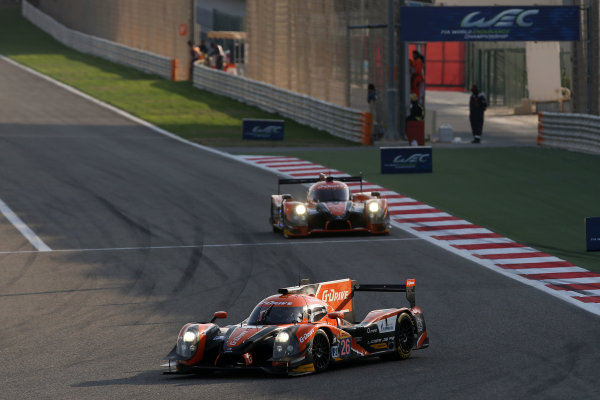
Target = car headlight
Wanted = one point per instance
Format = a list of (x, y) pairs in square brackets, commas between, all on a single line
[(189, 337), (374, 207), (285, 345), (187, 345), (283, 337), (300, 209)]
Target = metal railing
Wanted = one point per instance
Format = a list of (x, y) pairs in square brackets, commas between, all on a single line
[(138, 59), (343, 122), (577, 132)]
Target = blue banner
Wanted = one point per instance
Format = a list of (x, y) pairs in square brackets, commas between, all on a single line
[(262, 129), (592, 233), (406, 159), (463, 24)]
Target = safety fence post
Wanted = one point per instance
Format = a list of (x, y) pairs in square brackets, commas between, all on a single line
[(174, 70)]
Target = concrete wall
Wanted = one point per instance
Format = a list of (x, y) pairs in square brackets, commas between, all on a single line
[(152, 25)]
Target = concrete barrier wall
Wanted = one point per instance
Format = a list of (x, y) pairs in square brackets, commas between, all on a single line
[(343, 122), (138, 59), (161, 27), (576, 132)]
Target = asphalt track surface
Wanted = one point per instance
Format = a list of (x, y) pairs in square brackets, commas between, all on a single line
[(147, 233)]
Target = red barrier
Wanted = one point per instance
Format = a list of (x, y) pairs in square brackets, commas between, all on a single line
[(415, 130), (367, 126)]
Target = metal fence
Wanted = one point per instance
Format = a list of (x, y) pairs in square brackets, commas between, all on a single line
[(343, 122), (500, 72), (138, 59), (577, 132)]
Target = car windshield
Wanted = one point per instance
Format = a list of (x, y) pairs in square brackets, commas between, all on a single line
[(275, 315), (323, 195)]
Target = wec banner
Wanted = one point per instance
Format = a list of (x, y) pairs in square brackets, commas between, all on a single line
[(592, 233), (406, 159), (262, 129), (516, 23)]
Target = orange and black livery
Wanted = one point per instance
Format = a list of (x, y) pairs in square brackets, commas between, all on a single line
[(329, 207), (303, 329)]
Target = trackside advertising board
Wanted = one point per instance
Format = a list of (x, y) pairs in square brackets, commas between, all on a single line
[(592, 233), (262, 129), (404, 160), (516, 23)]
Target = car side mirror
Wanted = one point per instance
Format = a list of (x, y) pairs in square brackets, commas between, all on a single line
[(219, 314), (337, 315)]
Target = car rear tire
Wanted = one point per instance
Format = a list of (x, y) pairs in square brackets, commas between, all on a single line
[(405, 336), (404, 339), (321, 351)]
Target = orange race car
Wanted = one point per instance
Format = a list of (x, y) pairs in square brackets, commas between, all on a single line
[(329, 207), (303, 329)]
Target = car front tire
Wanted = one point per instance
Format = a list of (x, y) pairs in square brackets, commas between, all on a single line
[(321, 351)]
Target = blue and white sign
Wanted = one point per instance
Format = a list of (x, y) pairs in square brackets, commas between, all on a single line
[(262, 129), (592, 233), (516, 23), (396, 160)]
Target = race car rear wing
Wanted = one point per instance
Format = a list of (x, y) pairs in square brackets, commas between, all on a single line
[(294, 181), (409, 288)]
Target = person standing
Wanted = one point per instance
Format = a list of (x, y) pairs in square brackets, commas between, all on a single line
[(417, 112), (477, 107), (375, 110), (417, 77)]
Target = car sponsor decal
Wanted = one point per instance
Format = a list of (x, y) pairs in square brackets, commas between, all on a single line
[(379, 346), (276, 303), (543, 271), (306, 336), (337, 294), (335, 352), (305, 368), (239, 335), (343, 335), (330, 295), (386, 325)]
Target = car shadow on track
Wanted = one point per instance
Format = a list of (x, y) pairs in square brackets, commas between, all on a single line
[(156, 377)]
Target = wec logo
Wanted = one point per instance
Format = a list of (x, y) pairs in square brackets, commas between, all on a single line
[(505, 19), (330, 295), (267, 130), (412, 159)]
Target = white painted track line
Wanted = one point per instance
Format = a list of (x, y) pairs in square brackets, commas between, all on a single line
[(297, 242), (14, 219)]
